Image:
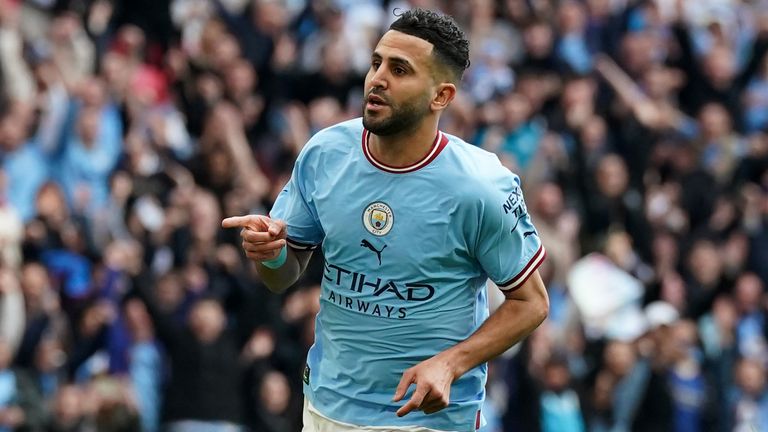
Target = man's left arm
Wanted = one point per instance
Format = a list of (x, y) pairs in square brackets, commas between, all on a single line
[(523, 310)]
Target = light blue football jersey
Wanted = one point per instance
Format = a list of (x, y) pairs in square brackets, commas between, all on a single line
[(407, 252)]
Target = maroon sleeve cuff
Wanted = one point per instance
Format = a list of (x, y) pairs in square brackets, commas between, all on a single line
[(518, 281)]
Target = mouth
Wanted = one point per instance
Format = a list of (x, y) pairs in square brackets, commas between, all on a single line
[(374, 102)]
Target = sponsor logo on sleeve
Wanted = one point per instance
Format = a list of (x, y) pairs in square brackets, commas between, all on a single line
[(515, 206)]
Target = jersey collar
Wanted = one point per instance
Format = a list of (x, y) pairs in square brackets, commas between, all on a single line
[(437, 146)]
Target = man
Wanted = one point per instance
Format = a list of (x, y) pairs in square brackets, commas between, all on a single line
[(412, 223)]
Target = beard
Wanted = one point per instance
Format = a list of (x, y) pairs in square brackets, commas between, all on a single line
[(402, 118)]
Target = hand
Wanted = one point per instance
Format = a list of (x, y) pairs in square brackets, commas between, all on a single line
[(569, 225), (263, 237), (433, 378), (228, 257), (261, 344), (229, 117), (285, 53)]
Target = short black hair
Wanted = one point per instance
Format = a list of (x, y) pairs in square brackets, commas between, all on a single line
[(451, 46)]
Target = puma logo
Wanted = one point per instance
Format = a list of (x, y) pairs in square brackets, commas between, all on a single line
[(366, 244)]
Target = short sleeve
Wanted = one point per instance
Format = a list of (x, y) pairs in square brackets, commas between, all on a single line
[(508, 246), (294, 206)]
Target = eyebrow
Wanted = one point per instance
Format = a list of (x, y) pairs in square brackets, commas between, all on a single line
[(397, 60)]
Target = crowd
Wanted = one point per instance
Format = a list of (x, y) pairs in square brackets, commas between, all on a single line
[(129, 129)]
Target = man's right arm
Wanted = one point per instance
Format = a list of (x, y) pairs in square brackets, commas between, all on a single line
[(281, 278), (263, 241)]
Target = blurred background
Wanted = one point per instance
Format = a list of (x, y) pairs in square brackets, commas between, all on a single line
[(128, 129)]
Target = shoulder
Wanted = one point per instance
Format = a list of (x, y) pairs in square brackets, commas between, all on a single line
[(329, 148), (475, 170), (340, 137)]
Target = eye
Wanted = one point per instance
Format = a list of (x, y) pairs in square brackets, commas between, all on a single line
[(375, 64), (400, 71)]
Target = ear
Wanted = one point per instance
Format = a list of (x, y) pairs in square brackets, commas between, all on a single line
[(445, 93)]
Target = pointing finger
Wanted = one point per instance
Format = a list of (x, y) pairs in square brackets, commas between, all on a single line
[(415, 402), (235, 221), (402, 387), (253, 222)]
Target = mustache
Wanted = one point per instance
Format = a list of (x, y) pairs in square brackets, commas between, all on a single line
[(379, 94)]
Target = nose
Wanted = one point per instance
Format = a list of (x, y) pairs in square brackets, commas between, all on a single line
[(379, 78)]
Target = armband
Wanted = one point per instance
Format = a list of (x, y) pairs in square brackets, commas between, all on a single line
[(277, 261)]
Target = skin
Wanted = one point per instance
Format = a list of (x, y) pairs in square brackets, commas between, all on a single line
[(413, 89), (413, 85)]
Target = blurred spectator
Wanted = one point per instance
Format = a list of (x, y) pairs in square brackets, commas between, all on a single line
[(205, 390), (756, 100), (749, 296), (687, 384), (748, 402), (18, 406), (558, 226), (24, 168), (573, 48), (720, 148), (71, 49), (560, 404), (69, 411), (18, 84), (275, 398), (12, 314), (623, 379), (518, 135), (87, 164), (705, 270)]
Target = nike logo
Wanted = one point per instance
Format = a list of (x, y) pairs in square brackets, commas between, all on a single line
[(366, 244), (529, 233)]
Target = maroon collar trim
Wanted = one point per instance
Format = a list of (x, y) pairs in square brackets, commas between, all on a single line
[(437, 146)]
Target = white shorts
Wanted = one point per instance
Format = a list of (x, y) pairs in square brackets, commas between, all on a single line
[(316, 422)]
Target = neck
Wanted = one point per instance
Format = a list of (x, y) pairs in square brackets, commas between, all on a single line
[(405, 148)]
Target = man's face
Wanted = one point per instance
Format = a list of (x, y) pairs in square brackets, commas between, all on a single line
[(399, 85), (207, 320)]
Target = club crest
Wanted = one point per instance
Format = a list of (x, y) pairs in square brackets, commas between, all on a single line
[(378, 218)]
